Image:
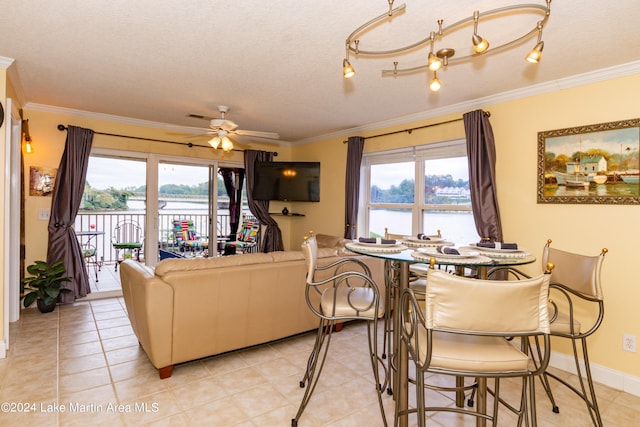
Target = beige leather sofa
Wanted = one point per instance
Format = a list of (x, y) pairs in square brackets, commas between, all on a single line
[(193, 308)]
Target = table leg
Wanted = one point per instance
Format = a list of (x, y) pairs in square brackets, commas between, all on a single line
[(402, 381)]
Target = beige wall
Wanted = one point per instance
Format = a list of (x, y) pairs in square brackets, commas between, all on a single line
[(581, 228)]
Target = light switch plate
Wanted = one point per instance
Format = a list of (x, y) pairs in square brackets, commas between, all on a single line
[(43, 214)]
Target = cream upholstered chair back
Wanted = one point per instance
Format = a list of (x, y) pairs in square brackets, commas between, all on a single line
[(310, 252), (580, 273), (458, 303)]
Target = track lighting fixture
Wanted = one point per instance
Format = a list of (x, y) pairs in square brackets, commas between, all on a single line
[(435, 84), (480, 44), (433, 62), (443, 57), (536, 53), (347, 69)]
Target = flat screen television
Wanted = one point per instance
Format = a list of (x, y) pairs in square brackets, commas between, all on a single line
[(287, 181)]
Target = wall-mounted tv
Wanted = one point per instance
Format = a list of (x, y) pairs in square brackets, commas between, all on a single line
[(287, 181)]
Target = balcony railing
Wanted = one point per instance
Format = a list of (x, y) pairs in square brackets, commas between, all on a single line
[(106, 222)]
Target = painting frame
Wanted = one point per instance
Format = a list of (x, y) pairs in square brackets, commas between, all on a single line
[(573, 163), (42, 180)]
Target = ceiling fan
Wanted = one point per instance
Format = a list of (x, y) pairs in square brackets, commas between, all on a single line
[(222, 128)]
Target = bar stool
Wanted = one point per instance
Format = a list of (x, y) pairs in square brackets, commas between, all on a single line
[(575, 278), (338, 296), (464, 331)]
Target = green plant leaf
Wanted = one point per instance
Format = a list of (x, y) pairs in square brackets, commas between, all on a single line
[(30, 298)]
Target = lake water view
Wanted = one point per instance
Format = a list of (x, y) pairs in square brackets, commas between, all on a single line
[(455, 227), (458, 227)]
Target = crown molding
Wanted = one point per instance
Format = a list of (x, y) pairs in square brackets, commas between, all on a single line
[(107, 117), (6, 62), (538, 89)]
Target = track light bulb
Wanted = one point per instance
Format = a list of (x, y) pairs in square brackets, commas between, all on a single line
[(434, 63), (435, 83), (480, 44), (536, 53), (347, 70)]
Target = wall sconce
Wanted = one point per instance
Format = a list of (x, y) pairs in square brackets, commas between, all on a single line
[(28, 148)]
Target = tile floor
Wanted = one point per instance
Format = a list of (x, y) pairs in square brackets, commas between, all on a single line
[(84, 359), (108, 279)]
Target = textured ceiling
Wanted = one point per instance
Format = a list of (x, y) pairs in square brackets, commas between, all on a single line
[(278, 64)]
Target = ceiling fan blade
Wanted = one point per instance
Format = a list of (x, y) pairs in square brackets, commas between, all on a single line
[(224, 124), (258, 134), (200, 116)]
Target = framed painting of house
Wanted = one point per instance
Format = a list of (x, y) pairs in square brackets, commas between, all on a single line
[(593, 164)]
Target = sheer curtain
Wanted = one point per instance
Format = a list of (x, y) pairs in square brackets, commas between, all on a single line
[(272, 240), (67, 194), (481, 153), (352, 186)]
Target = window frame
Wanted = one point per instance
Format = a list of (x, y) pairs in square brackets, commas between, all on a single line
[(418, 155)]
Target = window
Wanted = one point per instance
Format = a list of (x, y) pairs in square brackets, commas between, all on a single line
[(418, 190)]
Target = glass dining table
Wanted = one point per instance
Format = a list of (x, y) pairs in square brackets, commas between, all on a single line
[(479, 260)]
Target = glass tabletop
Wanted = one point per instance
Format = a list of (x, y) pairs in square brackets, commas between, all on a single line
[(405, 255)]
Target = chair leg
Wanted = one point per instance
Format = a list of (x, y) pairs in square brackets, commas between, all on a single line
[(312, 375), (372, 331), (586, 392)]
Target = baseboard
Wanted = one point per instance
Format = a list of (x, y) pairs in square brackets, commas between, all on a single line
[(601, 374), (116, 293)]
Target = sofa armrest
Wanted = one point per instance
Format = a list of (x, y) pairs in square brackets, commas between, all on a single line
[(149, 302)]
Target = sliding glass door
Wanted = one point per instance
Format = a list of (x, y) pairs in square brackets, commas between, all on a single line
[(184, 209), (110, 198)]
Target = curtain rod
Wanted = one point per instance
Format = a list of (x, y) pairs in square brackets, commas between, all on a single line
[(486, 113), (189, 144)]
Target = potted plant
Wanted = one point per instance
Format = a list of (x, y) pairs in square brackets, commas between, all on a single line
[(45, 284)]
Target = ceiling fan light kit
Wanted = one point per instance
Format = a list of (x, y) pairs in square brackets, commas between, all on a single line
[(221, 128), (444, 56)]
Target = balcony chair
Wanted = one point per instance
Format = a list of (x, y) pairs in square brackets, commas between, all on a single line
[(128, 237), (575, 281), (336, 295), (464, 332), (246, 239), (186, 238), (90, 256)]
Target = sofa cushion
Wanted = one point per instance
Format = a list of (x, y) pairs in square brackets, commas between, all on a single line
[(191, 264), (281, 256), (171, 265)]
